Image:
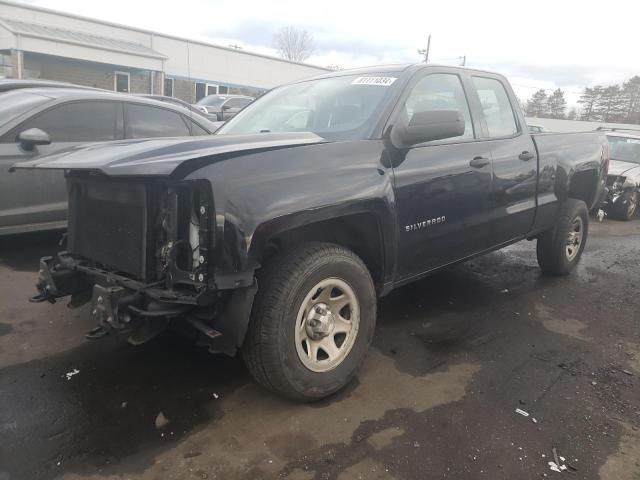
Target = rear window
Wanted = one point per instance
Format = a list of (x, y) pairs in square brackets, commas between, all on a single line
[(18, 102)]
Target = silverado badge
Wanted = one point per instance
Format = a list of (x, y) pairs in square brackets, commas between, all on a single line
[(425, 223)]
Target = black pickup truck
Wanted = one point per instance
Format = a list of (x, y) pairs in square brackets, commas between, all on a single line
[(276, 236)]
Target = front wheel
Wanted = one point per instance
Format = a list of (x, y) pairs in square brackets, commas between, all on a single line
[(627, 205), (312, 321), (560, 248)]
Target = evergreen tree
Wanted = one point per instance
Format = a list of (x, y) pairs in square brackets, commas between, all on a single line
[(537, 104), (610, 105), (589, 99), (556, 104), (631, 100)]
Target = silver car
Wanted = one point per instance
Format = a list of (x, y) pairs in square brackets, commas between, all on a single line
[(623, 179), (42, 120)]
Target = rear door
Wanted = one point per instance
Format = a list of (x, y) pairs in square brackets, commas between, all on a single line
[(33, 199), (443, 188), (514, 160)]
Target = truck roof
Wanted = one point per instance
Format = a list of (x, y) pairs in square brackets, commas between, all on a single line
[(393, 68)]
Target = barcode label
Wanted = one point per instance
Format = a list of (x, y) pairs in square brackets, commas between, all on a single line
[(381, 81)]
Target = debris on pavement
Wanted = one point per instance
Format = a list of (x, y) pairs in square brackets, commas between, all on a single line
[(216, 396), (522, 412), (161, 421), (558, 465), (73, 372), (601, 214), (627, 372), (506, 290)]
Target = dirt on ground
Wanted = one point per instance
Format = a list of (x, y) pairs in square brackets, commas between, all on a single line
[(485, 370)]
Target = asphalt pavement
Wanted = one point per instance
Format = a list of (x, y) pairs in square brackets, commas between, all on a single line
[(485, 370)]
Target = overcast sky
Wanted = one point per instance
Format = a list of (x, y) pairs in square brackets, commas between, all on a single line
[(537, 44)]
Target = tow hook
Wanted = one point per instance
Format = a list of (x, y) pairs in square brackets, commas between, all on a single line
[(106, 304), (48, 291)]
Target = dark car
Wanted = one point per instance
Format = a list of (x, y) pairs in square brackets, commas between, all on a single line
[(624, 174), (222, 107), (277, 235), (42, 120)]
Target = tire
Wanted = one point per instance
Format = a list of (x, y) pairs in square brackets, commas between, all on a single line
[(275, 351), (626, 207), (555, 256)]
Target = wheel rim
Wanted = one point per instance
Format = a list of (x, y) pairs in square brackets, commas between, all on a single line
[(327, 325), (574, 238), (633, 203)]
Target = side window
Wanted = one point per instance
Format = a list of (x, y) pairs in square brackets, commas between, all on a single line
[(237, 102), (148, 122), (195, 128), (440, 91), (498, 113), (79, 122)]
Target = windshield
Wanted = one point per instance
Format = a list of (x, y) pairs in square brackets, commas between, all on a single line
[(625, 149), (211, 101), (337, 108), (17, 102)]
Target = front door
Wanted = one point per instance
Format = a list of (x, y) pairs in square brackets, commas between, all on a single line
[(33, 199), (443, 188)]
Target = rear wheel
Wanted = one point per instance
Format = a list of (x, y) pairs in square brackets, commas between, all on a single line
[(559, 249), (312, 321)]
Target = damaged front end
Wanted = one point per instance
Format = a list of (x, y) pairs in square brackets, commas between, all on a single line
[(140, 251)]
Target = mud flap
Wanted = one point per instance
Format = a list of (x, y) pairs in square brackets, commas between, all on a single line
[(232, 323)]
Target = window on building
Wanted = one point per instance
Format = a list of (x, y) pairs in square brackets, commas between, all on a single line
[(501, 120), (122, 82), (223, 90), (79, 122), (201, 90), (212, 89), (142, 121), (168, 87), (440, 92)]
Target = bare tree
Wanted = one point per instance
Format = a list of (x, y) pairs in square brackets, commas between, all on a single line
[(295, 44)]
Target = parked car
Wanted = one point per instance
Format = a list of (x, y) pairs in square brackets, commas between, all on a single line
[(536, 128), (37, 121), (7, 84), (277, 235), (222, 107), (623, 180)]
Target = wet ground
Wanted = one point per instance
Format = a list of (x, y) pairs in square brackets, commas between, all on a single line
[(454, 356)]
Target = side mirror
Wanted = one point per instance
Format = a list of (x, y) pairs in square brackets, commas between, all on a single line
[(226, 108), (32, 137), (427, 126)]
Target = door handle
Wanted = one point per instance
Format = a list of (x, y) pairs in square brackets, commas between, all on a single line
[(526, 156), (479, 162)]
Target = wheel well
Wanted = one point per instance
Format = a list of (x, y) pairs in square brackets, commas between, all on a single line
[(584, 186), (360, 233)]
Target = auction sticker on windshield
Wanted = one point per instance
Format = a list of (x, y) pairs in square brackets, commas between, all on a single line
[(382, 81)]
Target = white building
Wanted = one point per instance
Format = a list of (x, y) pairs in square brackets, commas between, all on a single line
[(38, 43)]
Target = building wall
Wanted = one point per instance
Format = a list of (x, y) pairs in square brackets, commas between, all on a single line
[(90, 74), (185, 58)]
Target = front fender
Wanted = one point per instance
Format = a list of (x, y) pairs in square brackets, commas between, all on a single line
[(262, 194)]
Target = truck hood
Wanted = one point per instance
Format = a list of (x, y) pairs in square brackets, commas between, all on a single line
[(618, 168), (162, 156)]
